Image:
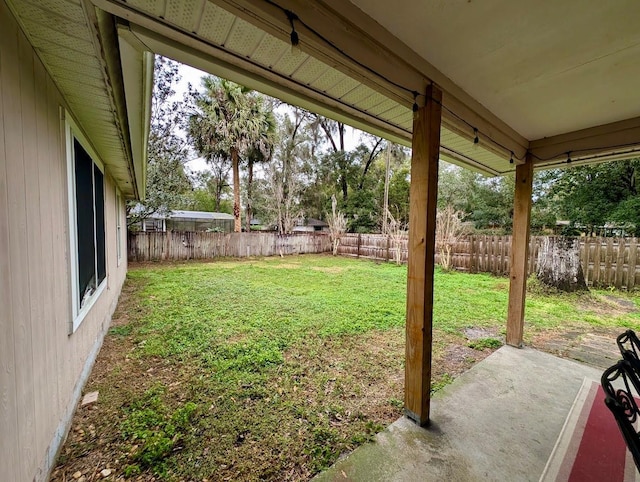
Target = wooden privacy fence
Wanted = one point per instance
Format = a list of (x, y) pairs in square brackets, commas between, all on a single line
[(605, 261), (176, 245)]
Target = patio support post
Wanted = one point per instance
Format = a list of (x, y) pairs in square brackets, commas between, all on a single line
[(422, 234), (519, 252)]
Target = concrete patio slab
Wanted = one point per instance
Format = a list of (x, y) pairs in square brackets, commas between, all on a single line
[(498, 421)]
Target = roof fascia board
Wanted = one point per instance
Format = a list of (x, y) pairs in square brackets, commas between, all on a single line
[(103, 28), (210, 59), (602, 142), (137, 69), (363, 39)]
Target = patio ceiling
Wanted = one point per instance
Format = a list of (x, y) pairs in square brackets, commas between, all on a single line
[(554, 78)]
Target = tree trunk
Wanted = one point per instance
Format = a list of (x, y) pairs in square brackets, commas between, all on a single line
[(237, 225), (559, 264), (249, 210)]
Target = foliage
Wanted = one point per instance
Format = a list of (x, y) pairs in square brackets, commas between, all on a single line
[(211, 188), (593, 196), (261, 149), (282, 186), (484, 343), (398, 232), (153, 430), (449, 229), (337, 224), (168, 186)]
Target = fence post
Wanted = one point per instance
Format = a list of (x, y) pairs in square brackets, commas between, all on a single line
[(388, 246), (595, 277), (631, 266), (620, 262), (607, 261), (471, 254), (358, 251)]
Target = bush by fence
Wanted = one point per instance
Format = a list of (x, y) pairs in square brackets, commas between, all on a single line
[(605, 261), (177, 245)]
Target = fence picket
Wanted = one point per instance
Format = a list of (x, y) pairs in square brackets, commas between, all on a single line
[(601, 260)]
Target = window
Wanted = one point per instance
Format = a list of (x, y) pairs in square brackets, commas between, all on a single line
[(118, 226), (87, 228)]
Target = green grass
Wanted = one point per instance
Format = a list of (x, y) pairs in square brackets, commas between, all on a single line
[(271, 369)]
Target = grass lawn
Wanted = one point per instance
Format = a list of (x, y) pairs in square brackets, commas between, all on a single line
[(270, 369)]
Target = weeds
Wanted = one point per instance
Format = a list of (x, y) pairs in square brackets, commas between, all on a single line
[(484, 343), (152, 430)]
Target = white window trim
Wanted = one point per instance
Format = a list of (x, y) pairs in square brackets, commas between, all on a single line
[(78, 314), (118, 227)]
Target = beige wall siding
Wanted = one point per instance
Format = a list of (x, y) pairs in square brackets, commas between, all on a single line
[(42, 367)]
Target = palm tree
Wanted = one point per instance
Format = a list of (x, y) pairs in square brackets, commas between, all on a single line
[(224, 124)]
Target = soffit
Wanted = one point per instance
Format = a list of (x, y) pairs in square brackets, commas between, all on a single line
[(209, 37), (64, 40)]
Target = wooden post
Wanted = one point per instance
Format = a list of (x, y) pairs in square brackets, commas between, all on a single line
[(631, 266), (388, 246), (519, 252), (358, 252), (421, 256)]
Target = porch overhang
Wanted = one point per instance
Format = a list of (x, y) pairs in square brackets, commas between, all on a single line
[(520, 79), (79, 47)]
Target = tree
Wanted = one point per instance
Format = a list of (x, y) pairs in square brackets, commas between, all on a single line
[(595, 195), (168, 186), (283, 185), (559, 264), (448, 231), (210, 187), (223, 124), (260, 149)]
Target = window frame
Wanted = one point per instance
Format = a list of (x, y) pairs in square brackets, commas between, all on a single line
[(79, 311), (118, 227)]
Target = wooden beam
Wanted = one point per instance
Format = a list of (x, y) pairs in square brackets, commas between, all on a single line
[(519, 252), (422, 234), (597, 141)]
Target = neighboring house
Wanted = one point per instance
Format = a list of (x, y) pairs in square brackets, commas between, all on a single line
[(310, 225), (188, 221), (72, 151)]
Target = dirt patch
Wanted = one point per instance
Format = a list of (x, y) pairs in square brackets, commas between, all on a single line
[(328, 269), (284, 266), (476, 333), (347, 381), (608, 305)]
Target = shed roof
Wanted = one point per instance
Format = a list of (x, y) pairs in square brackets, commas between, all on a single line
[(202, 215)]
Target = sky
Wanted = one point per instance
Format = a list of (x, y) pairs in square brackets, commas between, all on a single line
[(190, 75)]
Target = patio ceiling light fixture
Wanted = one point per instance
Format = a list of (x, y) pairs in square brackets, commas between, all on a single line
[(295, 39)]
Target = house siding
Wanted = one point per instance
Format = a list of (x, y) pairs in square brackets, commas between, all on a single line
[(42, 366)]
